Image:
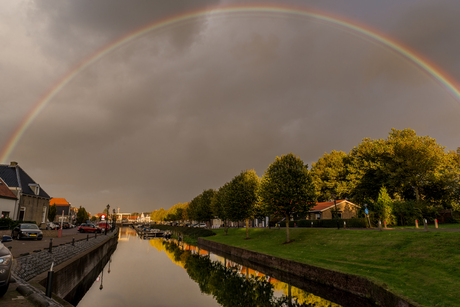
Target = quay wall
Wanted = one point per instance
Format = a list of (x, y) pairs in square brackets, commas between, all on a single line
[(353, 284), (73, 278)]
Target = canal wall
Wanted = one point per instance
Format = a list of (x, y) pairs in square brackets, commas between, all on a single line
[(353, 284), (74, 277)]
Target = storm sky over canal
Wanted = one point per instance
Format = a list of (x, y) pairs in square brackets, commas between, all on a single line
[(144, 104)]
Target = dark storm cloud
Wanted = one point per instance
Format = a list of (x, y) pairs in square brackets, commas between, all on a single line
[(68, 28), (187, 107)]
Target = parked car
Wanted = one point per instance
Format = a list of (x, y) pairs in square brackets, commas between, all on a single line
[(52, 226), (6, 260), (65, 225), (89, 228), (27, 231)]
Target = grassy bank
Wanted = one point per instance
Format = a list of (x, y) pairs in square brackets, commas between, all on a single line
[(423, 266)]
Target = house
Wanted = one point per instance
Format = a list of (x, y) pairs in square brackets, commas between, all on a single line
[(326, 210), (8, 201), (33, 201), (144, 218), (62, 208)]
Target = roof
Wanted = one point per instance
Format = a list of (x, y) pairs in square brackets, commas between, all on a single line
[(15, 177), (5, 192), (59, 202), (328, 204)]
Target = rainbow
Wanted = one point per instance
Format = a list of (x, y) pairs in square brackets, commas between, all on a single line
[(340, 22)]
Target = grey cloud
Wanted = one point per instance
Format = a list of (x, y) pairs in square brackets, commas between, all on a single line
[(187, 107)]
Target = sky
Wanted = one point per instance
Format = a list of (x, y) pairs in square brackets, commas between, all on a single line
[(145, 120)]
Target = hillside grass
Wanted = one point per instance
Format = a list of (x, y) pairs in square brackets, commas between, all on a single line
[(422, 266)]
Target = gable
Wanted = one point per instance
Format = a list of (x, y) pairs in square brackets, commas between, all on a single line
[(5, 192), (323, 206)]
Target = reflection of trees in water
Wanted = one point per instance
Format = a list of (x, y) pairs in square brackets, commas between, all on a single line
[(227, 285)]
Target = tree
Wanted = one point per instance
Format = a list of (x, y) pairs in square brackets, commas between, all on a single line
[(287, 187), (241, 197), (218, 205), (52, 213), (82, 215), (199, 208), (330, 176), (384, 207)]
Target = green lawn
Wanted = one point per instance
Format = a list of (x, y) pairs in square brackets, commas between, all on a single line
[(423, 266)]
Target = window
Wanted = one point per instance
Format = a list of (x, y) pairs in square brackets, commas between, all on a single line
[(44, 215), (5, 214), (22, 213), (318, 216)]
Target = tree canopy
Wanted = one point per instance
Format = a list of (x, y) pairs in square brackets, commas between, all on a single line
[(287, 187)]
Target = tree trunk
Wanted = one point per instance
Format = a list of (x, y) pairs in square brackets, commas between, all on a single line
[(247, 228), (226, 227), (287, 228)]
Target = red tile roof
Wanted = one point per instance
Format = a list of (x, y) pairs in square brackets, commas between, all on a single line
[(5, 192), (325, 205), (59, 202)]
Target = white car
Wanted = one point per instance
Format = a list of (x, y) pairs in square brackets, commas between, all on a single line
[(52, 226)]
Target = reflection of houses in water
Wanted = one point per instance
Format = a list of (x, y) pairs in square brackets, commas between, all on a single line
[(125, 233)]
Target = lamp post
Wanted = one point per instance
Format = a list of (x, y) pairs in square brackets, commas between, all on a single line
[(113, 219), (108, 214), (336, 212)]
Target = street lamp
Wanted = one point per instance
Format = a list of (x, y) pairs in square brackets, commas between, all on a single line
[(108, 214), (113, 219), (336, 212)]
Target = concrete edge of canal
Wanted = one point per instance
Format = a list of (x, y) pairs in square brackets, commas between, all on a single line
[(72, 278), (353, 284)]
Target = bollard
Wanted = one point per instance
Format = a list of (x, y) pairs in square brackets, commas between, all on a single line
[(426, 224), (51, 246), (49, 284), (312, 224), (344, 224), (380, 226), (416, 224), (436, 223), (73, 241), (87, 237), (385, 224)]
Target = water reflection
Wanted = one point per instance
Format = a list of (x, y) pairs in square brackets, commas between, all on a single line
[(159, 272), (232, 284)]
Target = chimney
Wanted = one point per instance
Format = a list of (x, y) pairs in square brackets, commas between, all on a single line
[(13, 164)]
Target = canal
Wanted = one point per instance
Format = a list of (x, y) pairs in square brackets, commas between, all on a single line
[(158, 272)]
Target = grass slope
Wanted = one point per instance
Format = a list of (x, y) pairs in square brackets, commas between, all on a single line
[(423, 266)]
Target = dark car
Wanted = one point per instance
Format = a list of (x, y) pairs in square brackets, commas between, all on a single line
[(27, 231), (66, 225), (6, 260), (89, 228)]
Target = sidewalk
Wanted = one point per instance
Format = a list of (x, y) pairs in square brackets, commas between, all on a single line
[(32, 258)]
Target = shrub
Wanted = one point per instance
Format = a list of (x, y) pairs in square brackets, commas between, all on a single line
[(187, 231)]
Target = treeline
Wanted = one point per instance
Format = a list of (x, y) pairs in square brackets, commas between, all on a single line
[(401, 178)]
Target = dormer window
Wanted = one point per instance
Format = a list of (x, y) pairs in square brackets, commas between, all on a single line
[(35, 187)]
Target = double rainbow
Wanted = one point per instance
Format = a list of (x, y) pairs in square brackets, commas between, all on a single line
[(338, 21)]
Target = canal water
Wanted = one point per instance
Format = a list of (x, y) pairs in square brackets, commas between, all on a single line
[(158, 272)]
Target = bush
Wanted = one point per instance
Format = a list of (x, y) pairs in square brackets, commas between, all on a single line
[(191, 232), (7, 224), (351, 223)]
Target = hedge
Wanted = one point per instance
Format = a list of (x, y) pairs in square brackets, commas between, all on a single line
[(350, 223), (7, 224), (191, 232)]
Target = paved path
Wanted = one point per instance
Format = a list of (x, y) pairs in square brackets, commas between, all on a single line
[(32, 258)]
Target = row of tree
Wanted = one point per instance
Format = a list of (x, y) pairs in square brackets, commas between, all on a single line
[(401, 178)]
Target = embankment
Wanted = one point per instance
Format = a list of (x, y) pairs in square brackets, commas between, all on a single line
[(353, 284), (74, 277)]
